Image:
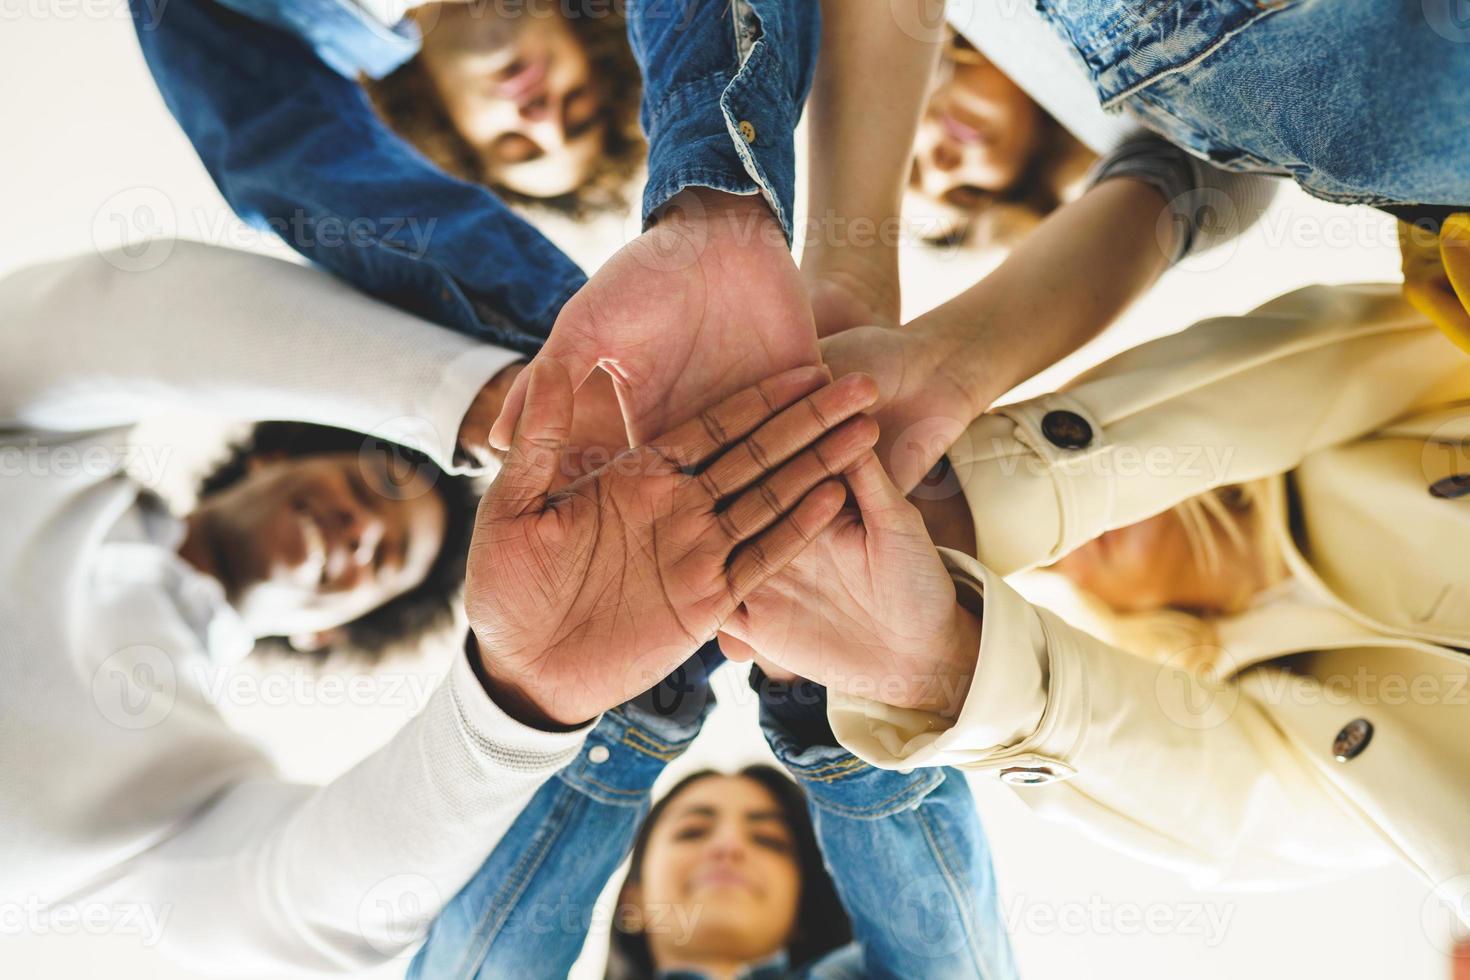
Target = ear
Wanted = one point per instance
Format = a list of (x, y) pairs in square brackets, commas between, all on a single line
[(316, 642)]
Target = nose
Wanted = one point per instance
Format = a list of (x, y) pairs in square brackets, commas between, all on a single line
[(362, 531), (726, 844)]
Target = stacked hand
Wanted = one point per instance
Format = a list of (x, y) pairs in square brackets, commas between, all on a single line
[(868, 608), (583, 598), (705, 303)]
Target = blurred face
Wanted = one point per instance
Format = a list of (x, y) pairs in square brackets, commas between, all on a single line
[(519, 90), (1151, 565), (978, 134), (720, 879), (305, 545)]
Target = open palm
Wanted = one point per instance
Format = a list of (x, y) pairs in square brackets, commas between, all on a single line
[(585, 597), (701, 305)]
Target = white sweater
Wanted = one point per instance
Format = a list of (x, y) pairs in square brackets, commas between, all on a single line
[(119, 781)]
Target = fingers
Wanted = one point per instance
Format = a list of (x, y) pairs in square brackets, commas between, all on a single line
[(704, 436), (872, 490), (757, 561), (540, 436), (787, 434), (764, 504)]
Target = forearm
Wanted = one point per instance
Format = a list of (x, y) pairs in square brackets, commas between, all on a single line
[(723, 88), (551, 866), (876, 64), (233, 335), (1065, 283), (296, 148), (897, 842), (274, 876)]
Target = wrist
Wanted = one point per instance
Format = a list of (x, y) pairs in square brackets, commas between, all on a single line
[(861, 281), (969, 357), (510, 696), (953, 670)]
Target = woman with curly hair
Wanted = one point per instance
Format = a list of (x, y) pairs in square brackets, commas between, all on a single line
[(541, 105)]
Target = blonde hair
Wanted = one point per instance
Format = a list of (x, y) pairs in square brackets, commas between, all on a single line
[(1190, 639)]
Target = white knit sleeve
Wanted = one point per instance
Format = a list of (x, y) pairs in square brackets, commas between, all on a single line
[(274, 876), (89, 344)]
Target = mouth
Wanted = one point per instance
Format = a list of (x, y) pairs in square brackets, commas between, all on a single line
[(721, 878)]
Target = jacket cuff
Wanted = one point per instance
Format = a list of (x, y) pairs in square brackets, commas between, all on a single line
[(500, 740), (1036, 477), (1004, 712), (839, 782), (446, 405)]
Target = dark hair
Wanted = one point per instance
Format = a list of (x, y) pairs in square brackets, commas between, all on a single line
[(1000, 219), (822, 924), (410, 104), (428, 605)]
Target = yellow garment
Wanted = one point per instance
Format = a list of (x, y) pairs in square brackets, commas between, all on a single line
[(1437, 274)]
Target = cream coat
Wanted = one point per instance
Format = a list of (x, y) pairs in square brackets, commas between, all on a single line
[(1355, 406)]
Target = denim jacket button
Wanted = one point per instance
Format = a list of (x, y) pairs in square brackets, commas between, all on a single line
[(906, 772), (598, 754), (747, 130)]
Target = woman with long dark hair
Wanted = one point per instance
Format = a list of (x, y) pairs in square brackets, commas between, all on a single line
[(830, 869)]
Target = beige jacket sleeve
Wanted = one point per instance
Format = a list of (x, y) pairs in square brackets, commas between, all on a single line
[(1152, 758), (1226, 401), (1148, 758)]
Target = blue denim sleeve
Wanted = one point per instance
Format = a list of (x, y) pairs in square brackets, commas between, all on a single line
[(527, 911), (909, 858), (343, 34), (295, 148), (724, 82)]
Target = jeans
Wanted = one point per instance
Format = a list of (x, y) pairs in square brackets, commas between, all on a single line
[(905, 850), (1360, 102)]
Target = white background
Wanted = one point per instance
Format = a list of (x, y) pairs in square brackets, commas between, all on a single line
[(86, 139)]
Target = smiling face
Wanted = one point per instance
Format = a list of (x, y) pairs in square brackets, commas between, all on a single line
[(720, 879), (978, 134), (520, 91), (306, 544)]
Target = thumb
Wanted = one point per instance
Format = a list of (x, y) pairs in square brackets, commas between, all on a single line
[(571, 365), (541, 434)]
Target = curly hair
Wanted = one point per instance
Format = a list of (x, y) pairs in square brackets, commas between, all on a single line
[(427, 606), (409, 103)]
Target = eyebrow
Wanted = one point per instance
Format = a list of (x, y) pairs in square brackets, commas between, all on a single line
[(753, 816)]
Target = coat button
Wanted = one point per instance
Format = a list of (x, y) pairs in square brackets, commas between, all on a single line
[(1066, 430), (747, 130), (1024, 776), (598, 754), (1352, 740), (1452, 487)]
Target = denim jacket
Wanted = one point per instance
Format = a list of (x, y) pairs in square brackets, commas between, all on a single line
[(906, 851), (265, 92), (1285, 87)]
